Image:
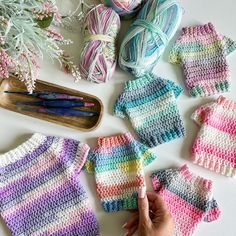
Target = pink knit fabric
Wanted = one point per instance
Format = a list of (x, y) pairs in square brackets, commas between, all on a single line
[(202, 52), (215, 145), (188, 198)]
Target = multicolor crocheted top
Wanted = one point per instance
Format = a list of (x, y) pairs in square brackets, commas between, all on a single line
[(202, 52), (40, 193), (215, 145), (188, 197), (149, 102), (118, 164)]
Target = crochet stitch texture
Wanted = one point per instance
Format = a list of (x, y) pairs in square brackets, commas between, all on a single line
[(202, 52), (215, 145), (118, 164), (40, 191), (149, 102), (188, 198)]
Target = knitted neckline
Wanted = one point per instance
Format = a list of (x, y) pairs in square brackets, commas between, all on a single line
[(140, 82), (114, 141), (226, 102), (23, 149), (192, 178), (198, 30)]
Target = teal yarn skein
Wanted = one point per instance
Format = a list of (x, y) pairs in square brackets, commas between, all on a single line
[(148, 36)]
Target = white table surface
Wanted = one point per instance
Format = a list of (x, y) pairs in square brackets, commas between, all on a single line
[(15, 128)]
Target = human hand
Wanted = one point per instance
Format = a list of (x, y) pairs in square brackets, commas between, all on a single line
[(152, 218)]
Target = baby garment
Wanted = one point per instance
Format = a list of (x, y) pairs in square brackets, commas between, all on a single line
[(40, 193), (215, 145), (188, 198), (118, 163), (202, 52), (149, 102)]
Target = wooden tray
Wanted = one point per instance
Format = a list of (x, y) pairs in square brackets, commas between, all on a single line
[(7, 101)]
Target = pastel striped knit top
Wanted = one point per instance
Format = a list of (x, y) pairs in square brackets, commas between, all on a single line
[(188, 198), (118, 163), (215, 145), (202, 52), (149, 102), (40, 193)]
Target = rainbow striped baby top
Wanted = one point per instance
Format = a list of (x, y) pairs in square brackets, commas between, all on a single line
[(215, 145), (118, 163), (188, 198), (149, 102), (40, 192), (202, 51)]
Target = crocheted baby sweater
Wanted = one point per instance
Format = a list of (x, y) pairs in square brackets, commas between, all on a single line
[(40, 193), (202, 52), (118, 164), (149, 102), (188, 198), (215, 145)]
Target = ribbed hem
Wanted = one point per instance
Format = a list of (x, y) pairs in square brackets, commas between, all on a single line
[(198, 30), (157, 139), (217, 165), (191, 177), (121, 204), (140, 82), (114, 141), (226, 102), (209, 89), (27, 147)]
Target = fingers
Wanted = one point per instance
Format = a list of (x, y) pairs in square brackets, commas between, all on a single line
[(157, 202), (132, 230), (143, 206), (132, 221)]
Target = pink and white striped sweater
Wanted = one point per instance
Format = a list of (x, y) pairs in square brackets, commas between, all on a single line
[(215, 145), (188, 198)]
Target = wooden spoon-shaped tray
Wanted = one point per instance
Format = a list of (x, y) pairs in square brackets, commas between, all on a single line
[(7, 101)]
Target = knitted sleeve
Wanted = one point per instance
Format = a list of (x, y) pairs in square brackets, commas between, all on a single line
[(146, 154), (201, 113), (119, 108), (73, 155), (176, 88), (90, 162), (229, 44), (161, 178), (213, 211), (175, 53)]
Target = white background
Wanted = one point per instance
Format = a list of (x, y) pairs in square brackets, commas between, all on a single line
[(15, 128)]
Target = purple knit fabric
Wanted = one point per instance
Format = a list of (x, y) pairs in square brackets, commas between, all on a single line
[(40, 192)]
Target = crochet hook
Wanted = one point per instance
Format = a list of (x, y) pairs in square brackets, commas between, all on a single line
[(60, 111), (48, 95), (57, 103)]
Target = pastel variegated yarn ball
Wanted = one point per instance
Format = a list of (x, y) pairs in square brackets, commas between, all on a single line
[(98, 57), (125, 8), (149, 34)]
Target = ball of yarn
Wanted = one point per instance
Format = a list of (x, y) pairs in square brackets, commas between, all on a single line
[(148, 36), (98, 56), (125, 8)]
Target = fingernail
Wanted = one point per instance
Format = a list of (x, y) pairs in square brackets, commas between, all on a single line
[(126, 234), (142, 192), (123, 226)]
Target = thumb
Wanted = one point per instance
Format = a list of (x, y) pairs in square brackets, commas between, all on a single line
[(143, 205)]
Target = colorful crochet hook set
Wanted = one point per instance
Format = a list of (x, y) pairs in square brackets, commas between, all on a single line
[(41, 193)]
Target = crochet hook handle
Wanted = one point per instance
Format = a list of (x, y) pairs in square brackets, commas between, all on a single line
[(57, 103), (60, 111), (48, 95)]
